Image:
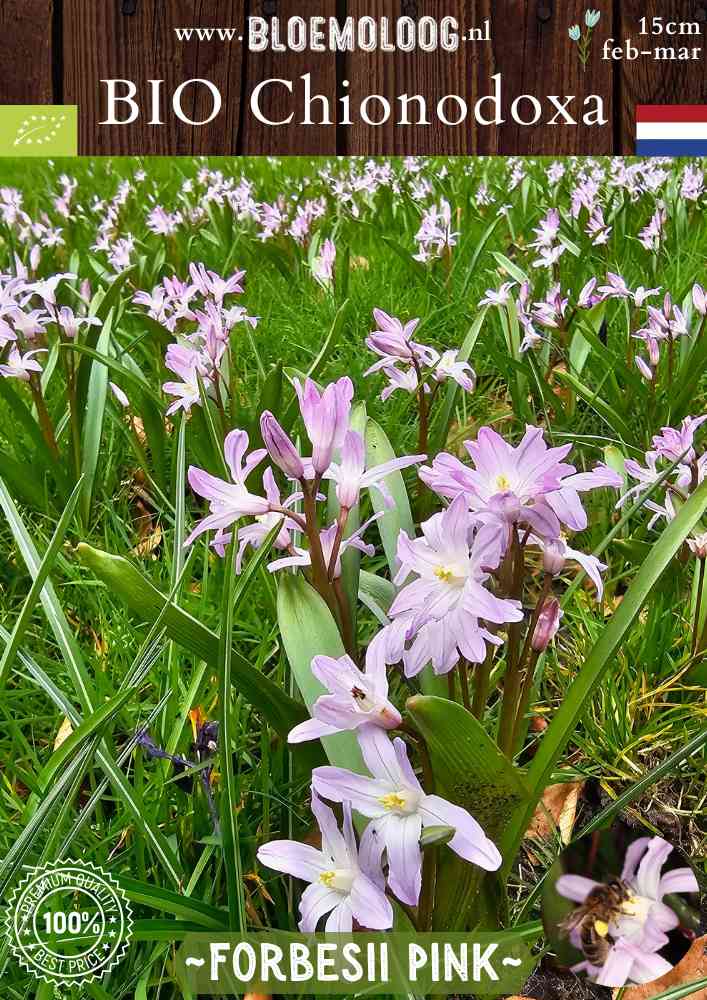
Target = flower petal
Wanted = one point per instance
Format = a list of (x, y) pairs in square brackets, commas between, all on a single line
[(379, 755), (340, 919), (312, 729), (316, 901), (649, 870), (574, 887), (340, 785), (402, 841), (469, 842), (293, 858), (370, 905), (678, 880), (634, 853)]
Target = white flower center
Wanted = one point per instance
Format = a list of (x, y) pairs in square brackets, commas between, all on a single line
[(637, 907), (340, 879), (402, 802), (362, 700), (451, 573)]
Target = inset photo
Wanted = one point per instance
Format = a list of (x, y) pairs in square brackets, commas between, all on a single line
[(621, 908)]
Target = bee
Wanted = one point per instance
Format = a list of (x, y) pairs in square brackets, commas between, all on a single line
[(592, 919)]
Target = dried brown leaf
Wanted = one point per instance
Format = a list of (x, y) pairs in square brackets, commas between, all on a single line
[(556, 810), (148, 542), (64, 732)]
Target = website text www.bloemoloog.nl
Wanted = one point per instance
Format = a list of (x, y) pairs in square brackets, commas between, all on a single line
[(350, 34)]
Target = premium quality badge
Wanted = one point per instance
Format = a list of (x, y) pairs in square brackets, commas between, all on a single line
[(68, 922)]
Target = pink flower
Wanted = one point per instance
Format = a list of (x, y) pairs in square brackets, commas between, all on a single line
[(228, 502), (399, 809), (527, 484), (191, 367), (21, 366), (546, 626), (71, 324), (393, 342), (406, 380), (497, 298), (351, 476), (439, 612), (323, 265), (343, 883), (547, 231), (280, 446), (301, 557), (556, 552), (675, 444), (209, 283), (326, 418), (638, 932), (254, 535), (119, 394), (355, 698), (460, 372)]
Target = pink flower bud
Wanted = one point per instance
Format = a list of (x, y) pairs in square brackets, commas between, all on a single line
[(554, 557), (280, 448), (699, 545), (547, 625)]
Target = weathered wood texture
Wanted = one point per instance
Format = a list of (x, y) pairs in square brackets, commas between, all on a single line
[(647, 81), (27, 34), (58, 51)]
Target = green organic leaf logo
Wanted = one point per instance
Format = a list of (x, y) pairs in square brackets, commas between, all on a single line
[(39, 129)]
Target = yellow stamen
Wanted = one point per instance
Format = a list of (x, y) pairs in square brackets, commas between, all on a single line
[(443, 574), (503, 483), (393, 801), (327, 879), (601, 927)]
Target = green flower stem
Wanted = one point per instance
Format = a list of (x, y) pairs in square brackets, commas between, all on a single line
[(698, 608), (511, 685), (482, 683), (45, 421)]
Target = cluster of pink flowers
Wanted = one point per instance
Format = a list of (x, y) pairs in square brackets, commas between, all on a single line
[(446, 610), (673, 447), (29, 311), (547, 240), (435, 237), (411, 366), (198, 314), (664, 326)]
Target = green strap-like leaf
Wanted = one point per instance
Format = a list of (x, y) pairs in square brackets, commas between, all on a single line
[(399, 517), (308, 630), (470, 771), (157, 898), (139, 594), (93, 422)]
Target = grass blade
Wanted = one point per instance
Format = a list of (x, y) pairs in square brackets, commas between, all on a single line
[(43, 571), (93, 422), (228, 800)]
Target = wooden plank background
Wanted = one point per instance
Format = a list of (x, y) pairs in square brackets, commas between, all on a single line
[(57, 51)]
